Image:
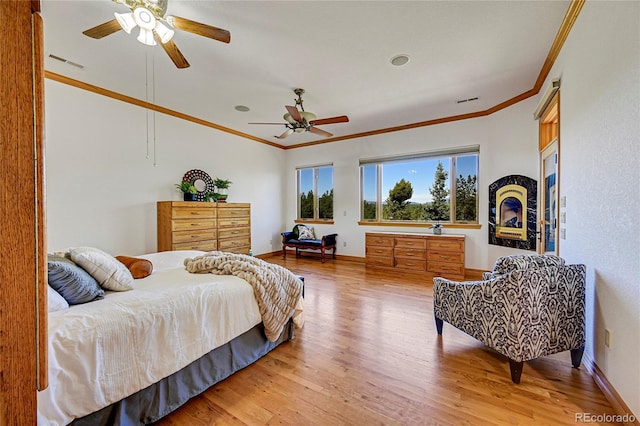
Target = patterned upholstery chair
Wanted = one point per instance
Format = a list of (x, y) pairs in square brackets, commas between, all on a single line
[(529, 306)]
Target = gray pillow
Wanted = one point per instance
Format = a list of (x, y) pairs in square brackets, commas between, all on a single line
[(72, 282)]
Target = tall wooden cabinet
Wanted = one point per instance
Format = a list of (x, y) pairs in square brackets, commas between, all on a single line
[(193, 225), (441, 255)]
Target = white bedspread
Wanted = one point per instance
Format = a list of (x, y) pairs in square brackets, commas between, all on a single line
[(106, 350)]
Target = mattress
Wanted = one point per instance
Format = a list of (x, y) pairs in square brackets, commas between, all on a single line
[(106, 350)]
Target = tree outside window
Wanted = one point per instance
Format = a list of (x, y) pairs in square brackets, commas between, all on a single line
[(315, 193), (421, 189)]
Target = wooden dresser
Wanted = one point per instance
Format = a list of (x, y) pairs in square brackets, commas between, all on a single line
[(441, 255), (194, 225)]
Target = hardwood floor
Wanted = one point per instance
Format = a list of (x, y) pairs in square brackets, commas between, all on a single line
[(369, 354)]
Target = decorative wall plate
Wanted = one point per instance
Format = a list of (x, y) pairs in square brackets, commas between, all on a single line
[(201, 180)]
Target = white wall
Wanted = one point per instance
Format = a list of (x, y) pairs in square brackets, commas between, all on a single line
[(102, 190), (508, 145), (599, 175)]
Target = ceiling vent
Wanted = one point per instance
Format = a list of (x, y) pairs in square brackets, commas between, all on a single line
[(66, 61), (461, 101)]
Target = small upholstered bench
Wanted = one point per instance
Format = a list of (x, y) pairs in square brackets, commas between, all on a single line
[(301, 238)]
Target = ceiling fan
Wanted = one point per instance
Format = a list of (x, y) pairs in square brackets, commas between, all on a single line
[(299, 120), (149, 15)]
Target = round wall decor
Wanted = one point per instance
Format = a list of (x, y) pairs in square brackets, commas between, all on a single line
[(201, 180)]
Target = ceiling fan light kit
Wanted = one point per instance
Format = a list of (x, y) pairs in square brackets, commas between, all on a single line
[(148, 14)]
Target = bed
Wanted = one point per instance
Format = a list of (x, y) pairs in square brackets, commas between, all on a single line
[(135, 356)]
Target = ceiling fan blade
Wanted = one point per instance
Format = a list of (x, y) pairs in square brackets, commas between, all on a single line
[(285, 134), (173, 52), (279, 124), (320, 132), (293, 111), (103, 30), (332, 120), (198, 28)]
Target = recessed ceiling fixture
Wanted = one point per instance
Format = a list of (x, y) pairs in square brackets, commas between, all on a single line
[(399, 60), (461, 101), (241, 108)]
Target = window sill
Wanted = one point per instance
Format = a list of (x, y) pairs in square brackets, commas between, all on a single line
[(422, 225), (316, 221)]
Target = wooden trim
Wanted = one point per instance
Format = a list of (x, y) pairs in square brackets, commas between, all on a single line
[(421, 225), (563, 32), (608, 390), (148, 105), (18, 245), (42, 309), (314, 221)]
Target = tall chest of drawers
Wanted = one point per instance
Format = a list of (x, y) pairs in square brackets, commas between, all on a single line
[(192, 225), (441, 255)]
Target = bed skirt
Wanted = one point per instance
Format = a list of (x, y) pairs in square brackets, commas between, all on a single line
[(156, 401)]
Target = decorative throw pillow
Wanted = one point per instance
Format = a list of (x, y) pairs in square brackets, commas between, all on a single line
[(55, 302), (73, 283), (106, 269), (139, 268), (306, 233)]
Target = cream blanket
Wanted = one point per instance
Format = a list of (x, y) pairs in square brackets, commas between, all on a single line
[(277, 290)]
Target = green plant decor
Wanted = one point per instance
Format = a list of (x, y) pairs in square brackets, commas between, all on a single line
[(187, 187), (222, 183)]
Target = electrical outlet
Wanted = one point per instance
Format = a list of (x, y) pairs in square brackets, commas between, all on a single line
[(563, 201), (563, 217), (607, 338), (563, 234), (344, 244)]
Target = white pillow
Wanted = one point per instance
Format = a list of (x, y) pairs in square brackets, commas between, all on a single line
[(110, 273), (55, 301)]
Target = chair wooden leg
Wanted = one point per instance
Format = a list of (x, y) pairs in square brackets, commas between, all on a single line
[(284, 252), (322, 254), (576, 357), (516, 370), (438, 325)]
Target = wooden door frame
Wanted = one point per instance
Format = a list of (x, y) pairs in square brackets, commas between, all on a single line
[(22, 245), (549, 133)]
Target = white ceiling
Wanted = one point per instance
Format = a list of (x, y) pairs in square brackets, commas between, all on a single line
[(338, 51)]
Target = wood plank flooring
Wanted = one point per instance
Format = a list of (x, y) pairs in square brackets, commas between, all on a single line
[(369, 354)]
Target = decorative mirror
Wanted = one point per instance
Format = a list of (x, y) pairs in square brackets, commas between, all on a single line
[(202, 181)]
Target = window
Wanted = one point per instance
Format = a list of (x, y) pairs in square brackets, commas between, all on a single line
[(315, 193), (430, 187)]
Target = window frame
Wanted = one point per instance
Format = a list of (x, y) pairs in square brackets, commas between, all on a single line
[(316, 197), (452, 155)]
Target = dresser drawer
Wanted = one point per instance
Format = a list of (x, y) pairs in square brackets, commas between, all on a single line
[(379, 261), (192, 212), (409, 253), (233, 212), (443, 244), (378, 240), (195, 224), (225, 245), (446, 268), (414, 243), (416, 265), (379, 251), (446, 256), (234, 233), (233, 222), (190, 235), (197, 245)]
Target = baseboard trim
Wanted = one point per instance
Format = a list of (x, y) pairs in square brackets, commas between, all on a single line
[(327, 255), (608, 390)]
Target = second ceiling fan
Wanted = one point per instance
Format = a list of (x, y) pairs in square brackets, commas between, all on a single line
[(299, 120)]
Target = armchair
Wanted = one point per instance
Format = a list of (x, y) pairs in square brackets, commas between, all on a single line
[(307, 241), (529, 306)]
